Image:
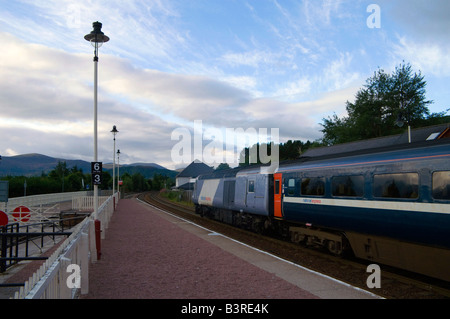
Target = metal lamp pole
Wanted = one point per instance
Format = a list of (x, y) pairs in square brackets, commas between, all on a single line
[(114, 131), (118, 173), (96, 38)]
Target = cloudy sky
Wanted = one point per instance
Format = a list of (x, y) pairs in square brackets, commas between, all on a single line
[(249, 64)]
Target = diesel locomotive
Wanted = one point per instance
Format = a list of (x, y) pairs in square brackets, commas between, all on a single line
[(389, 206)]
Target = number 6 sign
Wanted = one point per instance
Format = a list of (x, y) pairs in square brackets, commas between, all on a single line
[(96, 171)]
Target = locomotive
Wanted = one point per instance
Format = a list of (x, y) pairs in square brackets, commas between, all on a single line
[(390, 206)]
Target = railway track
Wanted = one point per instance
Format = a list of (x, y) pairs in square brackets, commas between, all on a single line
[(395, 284)]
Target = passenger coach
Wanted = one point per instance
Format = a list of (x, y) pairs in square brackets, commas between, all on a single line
[(390, 206)]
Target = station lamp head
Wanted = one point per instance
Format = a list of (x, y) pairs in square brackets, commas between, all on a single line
[(96, 37), (114, 130)]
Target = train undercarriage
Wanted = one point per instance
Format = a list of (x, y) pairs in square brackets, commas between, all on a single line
[(334, 242), (426, 260)]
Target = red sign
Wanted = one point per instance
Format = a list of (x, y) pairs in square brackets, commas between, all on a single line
[(21, 214), (120, 182), (3, 219)]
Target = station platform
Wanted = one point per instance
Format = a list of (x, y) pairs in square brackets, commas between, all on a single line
[(149, 254)]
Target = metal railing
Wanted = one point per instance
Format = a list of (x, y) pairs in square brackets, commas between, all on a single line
[(66, 272), (16, 240)]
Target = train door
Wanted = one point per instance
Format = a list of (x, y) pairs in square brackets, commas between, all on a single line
[(277, 195), (250, 194)]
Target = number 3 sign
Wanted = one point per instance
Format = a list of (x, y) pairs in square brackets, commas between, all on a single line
[(96, 171)]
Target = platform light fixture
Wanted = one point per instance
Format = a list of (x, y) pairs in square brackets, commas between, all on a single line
[(96, 38), (114, 131)]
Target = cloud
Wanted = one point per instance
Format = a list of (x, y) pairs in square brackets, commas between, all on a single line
[(46, 106), (42, 83), (320, 13), (431, 59), (138, 30), (283, 65), (424, 20)]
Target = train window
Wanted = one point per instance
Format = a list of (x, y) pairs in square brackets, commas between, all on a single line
[(314, 186), (396, 185), (277, 187), (251, 186), (441, 185), (352, 186), (291, 187)]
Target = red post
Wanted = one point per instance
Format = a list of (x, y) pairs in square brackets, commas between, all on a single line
[(98, 239)]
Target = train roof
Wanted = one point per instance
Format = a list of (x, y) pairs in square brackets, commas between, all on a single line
[(233, 172), (377, 155), (421, 134), (390, 152), (393, 152)]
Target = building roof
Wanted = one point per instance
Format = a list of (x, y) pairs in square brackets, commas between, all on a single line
[(195, 169), (423, 134)]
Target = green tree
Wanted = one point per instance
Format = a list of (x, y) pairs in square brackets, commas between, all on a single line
[(290, 150), (222, 166), (59, 171), (138, 183), (379, 105)]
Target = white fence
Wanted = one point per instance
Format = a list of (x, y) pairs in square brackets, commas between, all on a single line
[(37, 200), (86, 203), (40, 208), (66, 271)]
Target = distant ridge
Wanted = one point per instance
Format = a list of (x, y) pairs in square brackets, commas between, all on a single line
[(34, 164)]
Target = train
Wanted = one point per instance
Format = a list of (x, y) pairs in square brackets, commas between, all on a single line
[(389, 206)]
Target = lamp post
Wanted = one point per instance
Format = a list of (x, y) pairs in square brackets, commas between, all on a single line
[(96, 38), (400, 123), (114, 131), (118, 172)]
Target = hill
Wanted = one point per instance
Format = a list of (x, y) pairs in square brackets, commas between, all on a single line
[(38, 164)]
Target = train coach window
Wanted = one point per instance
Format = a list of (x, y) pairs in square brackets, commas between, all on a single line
[(314, 186), (251, 186), (396, 185), (441, 185), (352, 186), (291, 187)]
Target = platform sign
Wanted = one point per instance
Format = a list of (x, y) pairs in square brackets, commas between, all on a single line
[(4, 187), (96, 171)]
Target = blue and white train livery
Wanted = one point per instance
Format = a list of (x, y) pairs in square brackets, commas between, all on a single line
[(388, 206)]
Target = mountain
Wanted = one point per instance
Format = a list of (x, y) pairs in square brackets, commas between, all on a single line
[(36, 164), (153, 165)]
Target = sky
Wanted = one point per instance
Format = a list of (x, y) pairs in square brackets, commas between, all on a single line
[(182, 78)]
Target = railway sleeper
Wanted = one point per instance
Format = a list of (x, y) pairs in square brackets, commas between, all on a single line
[(333, 242)]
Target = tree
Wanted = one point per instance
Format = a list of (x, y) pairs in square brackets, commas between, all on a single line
[(290, 150), (59, 171), (379, 105), (222, 166)]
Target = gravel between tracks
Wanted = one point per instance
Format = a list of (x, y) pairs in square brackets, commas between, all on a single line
[(146, 256)]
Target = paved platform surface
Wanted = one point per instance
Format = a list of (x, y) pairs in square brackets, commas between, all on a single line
[(150, 254)]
